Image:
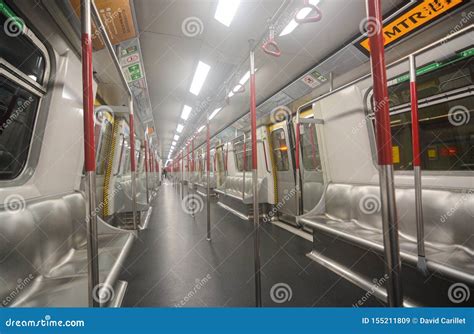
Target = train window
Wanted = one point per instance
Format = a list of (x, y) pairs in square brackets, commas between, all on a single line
[(29, 60), (446, 136), (446, 123), (22, 61), (309, 147), (280, 150), (243, 162), (435, 78), (17, 116)]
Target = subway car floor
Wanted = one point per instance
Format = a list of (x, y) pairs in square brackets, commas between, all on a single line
[(172, 264)]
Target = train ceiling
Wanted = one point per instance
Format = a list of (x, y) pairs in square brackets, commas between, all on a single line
[(176, 35)]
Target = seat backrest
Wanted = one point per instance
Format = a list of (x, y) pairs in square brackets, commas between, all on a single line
[(448, 214), (37, 237)]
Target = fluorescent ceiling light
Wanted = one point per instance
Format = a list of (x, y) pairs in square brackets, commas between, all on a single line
[(301, 15), (173, 143), (245, 78), (200, 76), (200, 129), (231, 94), (226, 10), (176, 137), (214, 113), (186, 112), (179, 128)]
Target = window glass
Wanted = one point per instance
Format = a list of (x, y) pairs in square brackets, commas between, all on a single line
[(280, 150), (446, 127), (20, 52), (435, 78), (243, 160), (446, 136), (17, 116), (309, 147)]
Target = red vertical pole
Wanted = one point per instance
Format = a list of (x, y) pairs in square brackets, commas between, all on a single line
[(384, 150), (89, 151), (256, 214), (133, 166)]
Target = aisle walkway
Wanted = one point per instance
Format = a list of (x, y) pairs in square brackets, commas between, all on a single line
[(172, 263)]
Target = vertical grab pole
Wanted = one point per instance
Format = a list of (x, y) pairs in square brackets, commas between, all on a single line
[(208, 163), (133, 167), (256, 215), (146, 168), (297, 164), (89, 152), (385, 158), (244, 164), (415, 129)]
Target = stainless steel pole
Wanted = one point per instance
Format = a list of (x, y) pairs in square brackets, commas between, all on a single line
[(415, 129), (208, 199), (256, 215), (89, 153), (385, 158)]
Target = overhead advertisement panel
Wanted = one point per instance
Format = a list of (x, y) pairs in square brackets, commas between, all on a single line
[(116, 15)]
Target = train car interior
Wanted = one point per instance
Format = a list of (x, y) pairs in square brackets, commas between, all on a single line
[(236, 153)]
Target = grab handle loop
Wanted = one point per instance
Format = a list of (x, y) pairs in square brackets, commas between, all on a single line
[(315, 17), (270, 46)]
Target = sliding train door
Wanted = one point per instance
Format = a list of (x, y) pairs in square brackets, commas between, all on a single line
[(284, 169)]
